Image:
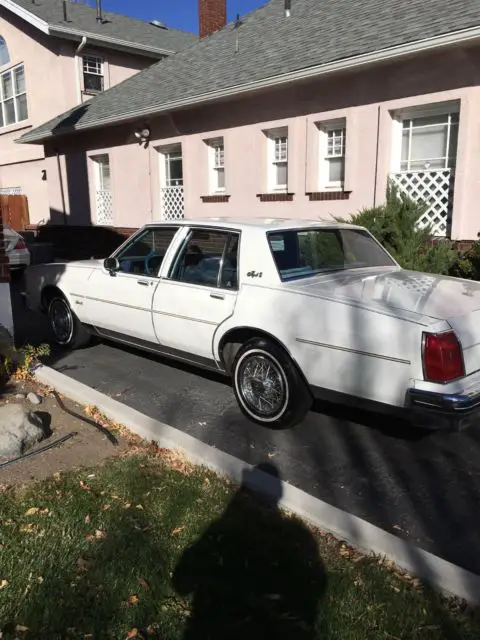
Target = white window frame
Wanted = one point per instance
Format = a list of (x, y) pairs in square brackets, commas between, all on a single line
[(277, 153), (97, 69), (216, 164), (447, 109), (100, 161), (14, 97), (335, 131)]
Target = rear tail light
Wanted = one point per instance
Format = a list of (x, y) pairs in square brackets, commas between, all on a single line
[(20, 244), (442, 357)]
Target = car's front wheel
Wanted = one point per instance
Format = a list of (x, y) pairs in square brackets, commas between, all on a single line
[(67, 329), (268, 386)]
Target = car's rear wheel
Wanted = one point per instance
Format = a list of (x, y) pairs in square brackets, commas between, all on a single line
[(268, 386), (67, 329)]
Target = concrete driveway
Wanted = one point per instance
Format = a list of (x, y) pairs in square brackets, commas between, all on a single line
[(421, 486)]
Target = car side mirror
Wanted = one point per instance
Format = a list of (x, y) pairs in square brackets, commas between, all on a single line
[(111, 265)]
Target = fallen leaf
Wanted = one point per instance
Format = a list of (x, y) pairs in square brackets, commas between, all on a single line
[(133, 600), (32, 511), (105, 507), (177, 530), (28, 528), (57, 475), (21, 628), (92, 475), (127, 505), (115, 497), (133, 633), (87, 519), (85, 486), (99, 534), (3, 584), (139, 506), (40, 580)]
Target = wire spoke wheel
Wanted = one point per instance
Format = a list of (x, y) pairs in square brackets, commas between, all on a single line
[(61, 321), (262, 385)]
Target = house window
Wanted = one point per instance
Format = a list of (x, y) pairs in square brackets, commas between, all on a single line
[(13, 96), (429, 142), (332, 154), (4, 54), (92, 74), (103, 172), (278, 159), (216, 150)]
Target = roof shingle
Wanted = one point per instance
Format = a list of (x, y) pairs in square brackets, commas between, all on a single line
[(83, 18), (269, 45)]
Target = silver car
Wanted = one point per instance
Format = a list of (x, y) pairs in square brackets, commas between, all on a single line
[(16, 249)]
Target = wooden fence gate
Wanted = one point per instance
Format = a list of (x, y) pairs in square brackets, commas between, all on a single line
[(14, 211)]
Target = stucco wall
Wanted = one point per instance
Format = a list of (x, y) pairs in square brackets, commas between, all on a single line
[(367, 100), (53, 87)]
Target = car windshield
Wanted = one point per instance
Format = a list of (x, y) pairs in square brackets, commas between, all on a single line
[(299, 253)]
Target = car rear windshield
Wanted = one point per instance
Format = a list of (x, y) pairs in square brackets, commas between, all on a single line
[(299, 253)]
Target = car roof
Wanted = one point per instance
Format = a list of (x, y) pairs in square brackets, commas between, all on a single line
[(259, 224)]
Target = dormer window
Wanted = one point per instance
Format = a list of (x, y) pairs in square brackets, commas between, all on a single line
[(93, 74)]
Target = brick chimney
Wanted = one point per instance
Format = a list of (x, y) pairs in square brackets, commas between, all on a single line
[(212, 16)]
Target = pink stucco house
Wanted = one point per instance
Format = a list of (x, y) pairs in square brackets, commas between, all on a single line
[(55, 55), (301, 108)]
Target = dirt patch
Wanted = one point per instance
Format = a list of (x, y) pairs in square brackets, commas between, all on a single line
[(91, 444)]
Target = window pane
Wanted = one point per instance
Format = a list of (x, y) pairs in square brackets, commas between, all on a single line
[(306, 252), (200, 261), (405, 141), (4, 55), (7, 85), (429, 143), (105, 175), (22, 111), (336, 169), (92, 82), (174, 170), (220, 178), (428, 165), (452, 152), (281, 174), (430, 120), (9, 112), (1, 116), (145, 254), (229, 277), (19, 80)]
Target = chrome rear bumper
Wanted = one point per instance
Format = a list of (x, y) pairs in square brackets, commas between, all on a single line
[(436, 410)]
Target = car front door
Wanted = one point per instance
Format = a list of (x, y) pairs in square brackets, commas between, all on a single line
[(197, 294), (119, 303)]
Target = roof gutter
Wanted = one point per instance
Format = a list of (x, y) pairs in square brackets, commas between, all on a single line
[(58, 30), (384, 55)]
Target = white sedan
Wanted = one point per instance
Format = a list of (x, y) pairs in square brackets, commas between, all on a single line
[(290, 310), (16, 249)]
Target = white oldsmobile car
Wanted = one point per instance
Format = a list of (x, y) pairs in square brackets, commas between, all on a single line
[(291, 310)]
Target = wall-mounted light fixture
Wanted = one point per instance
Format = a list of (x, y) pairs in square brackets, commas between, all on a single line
[(142, 135)]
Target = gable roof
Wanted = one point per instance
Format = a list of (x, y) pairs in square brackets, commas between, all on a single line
[(320, 36), (115, 30)]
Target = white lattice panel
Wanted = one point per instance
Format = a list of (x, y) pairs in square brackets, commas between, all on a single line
[(104, 207), (435, 189), (10, 191), (172, 203)]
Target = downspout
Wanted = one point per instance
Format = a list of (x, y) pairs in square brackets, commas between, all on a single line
[(376, 160), (77, 68)]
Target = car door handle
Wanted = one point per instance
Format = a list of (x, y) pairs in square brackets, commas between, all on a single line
[(144, 283), (217, 296)]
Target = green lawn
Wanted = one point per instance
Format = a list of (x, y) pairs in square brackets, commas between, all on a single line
[(135, 544)]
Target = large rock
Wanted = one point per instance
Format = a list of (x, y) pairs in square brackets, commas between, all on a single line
[(19, 430)]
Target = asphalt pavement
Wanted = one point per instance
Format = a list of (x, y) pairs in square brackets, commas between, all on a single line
[(421, 486)]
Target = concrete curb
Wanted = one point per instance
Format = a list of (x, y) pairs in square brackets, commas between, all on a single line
[(444, 575)]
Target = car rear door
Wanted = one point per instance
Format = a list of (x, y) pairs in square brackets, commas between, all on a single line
[(197, 294)]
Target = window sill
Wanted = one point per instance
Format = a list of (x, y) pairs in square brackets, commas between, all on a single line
[(316, 196), (18, 126), (217, 197), (275, 197)]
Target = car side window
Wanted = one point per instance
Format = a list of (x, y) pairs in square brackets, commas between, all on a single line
[(144, 255), (202, 257)]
